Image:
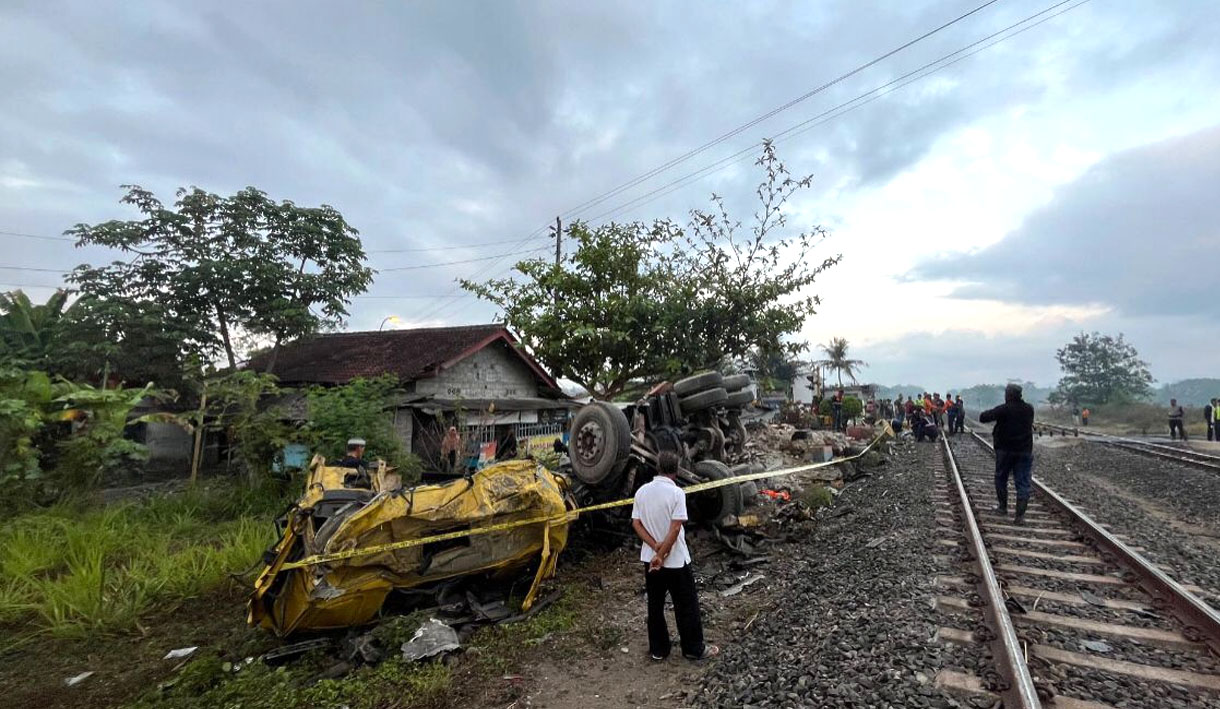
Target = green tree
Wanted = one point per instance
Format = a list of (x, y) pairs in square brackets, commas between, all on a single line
[(24, 398), (836, 359), (96, 446), (222, 266), (1100, 369), (358, 409), (141, 342), (773, 370), (28, 331), (243, 405), (633, 301)]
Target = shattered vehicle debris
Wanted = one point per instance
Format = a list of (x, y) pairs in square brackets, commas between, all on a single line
[(345, 509), (613, 450)]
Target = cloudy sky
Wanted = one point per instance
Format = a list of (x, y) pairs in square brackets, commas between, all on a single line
[(1062, 180)]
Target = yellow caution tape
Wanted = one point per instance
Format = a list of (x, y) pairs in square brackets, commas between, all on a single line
[(569, 516)]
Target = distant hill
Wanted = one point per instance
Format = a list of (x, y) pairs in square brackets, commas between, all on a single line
[(977, 397), (1189, 392)]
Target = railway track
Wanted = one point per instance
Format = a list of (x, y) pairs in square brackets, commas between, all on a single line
[(1070, 614), (1151, 448)]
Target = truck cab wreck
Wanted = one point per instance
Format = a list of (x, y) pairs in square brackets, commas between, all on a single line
[(363, 538)]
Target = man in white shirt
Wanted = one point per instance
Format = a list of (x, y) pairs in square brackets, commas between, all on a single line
[(657, 517)]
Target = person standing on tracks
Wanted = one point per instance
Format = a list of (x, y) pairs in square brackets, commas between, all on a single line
[(1209, 417), (1084, 416), (960, 407), (1013, 436), (836, 409), (658, 515), (1176, 417)]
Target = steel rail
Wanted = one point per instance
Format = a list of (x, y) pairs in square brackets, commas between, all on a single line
[(1201, 622), (1020, 692), (1160, 450)]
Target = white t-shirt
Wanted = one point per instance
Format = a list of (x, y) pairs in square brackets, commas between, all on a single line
[(658, 503)]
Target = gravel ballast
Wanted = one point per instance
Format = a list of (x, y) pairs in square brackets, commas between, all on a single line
[(854, 621)]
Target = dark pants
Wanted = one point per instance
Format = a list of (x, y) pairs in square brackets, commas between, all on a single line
[(1176, 429), (837, 413), (1211, 430), (680, 585), (960, 423), (1021, 466)]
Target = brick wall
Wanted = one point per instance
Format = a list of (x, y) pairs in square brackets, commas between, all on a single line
[(491, 373)]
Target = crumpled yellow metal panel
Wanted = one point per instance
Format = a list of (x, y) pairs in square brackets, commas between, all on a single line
[(351, 591)]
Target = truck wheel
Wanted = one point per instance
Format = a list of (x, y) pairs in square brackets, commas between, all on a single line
[(698, 382), (714, 505), (736, 382), (749, 493), (703, 400), (599, 443), (739, 399)]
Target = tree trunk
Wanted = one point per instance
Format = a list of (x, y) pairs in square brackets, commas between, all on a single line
[(224, 335), (275, 353)]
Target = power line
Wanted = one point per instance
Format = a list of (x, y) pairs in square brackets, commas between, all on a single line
[(37, 236), (35, 285), (843, 108), (454, 263), (441, 248), (410, 297), (749, 124), (31, 268)]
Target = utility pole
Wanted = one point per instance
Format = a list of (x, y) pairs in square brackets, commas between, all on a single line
[(558, 257)]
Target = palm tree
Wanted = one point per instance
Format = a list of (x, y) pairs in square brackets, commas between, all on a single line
[(837, 360), (27, 331)]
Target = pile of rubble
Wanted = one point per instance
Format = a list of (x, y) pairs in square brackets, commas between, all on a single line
[(781, 445)]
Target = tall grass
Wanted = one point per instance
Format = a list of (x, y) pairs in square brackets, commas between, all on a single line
[(76, 572)]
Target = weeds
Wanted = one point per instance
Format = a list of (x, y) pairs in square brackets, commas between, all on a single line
[(73, 572)]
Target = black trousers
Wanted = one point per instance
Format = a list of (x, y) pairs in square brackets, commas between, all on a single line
[(1176, 429), (1211, 429), (680, 585)]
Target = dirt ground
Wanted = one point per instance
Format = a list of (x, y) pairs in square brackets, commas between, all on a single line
[(601, 660)]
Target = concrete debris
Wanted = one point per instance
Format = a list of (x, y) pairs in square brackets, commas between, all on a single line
[(737, 588), (180, 653), (73, 681), (432, 638)]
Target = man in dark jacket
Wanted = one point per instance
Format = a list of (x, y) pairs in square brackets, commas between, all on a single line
[(1210, 419), (1013, 436)]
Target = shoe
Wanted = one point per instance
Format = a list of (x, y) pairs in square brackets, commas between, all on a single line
[(709, 651), (1019, 519), (657, 658)]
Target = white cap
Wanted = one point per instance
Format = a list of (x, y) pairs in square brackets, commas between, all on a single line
[(355, 442)]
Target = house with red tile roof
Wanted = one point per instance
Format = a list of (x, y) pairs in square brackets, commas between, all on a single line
[(476, 377)]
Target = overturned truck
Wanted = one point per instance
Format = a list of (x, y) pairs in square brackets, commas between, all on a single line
[(613, 449), (357, 535)]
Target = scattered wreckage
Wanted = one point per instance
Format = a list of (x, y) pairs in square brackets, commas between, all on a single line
[(362, 534)]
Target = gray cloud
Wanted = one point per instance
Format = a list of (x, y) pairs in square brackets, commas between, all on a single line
[(456, 123), (1138, 232), (1175, 347)]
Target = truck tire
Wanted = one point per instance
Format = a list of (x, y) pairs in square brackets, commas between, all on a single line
[(749, 493), (715, 505), (739, 399), (599, 443), (703, 400), (698, 382), (736, 382)]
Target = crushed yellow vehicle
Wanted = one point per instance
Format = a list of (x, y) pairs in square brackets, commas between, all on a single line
[(356, 535)]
